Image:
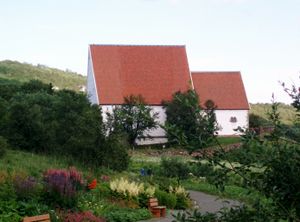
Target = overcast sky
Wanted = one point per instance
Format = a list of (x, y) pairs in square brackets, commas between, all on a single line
[(260, 38)]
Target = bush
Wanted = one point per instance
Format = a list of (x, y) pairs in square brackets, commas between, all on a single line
[(62, 186), (60, 123), (292, 132), (174, 167), (199, 169), (257, 121), (86, 216), (182, 197), (3, 146), (187, 124), (166, 199), (26, 188), (242, 213), (183, 202), (127, 215), (113, 153), (9, 211)]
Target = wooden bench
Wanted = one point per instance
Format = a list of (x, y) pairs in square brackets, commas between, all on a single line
[(40, 218), (157, 211)]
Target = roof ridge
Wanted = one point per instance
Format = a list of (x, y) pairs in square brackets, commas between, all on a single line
[(146, 45), (203, 72)]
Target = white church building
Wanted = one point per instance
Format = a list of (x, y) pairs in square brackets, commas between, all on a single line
[(156, 72)]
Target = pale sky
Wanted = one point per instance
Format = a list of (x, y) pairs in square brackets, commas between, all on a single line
[(260, 38)]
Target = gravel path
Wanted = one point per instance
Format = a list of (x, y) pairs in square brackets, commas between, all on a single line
[(204, 202)]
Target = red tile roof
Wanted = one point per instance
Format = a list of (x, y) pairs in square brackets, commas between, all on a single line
[(226, 89), (155, 72)]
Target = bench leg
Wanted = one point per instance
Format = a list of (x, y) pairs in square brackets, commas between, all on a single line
[(156, 212), (163, 212)]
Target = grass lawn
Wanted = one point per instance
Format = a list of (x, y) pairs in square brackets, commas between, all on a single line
[(229, 140)]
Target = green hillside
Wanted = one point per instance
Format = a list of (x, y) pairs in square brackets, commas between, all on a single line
[(24, 72), (287, 112)]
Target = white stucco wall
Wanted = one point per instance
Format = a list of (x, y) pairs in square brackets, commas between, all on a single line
[(159, 135), (226, 126), (223, 118), (91, 85)]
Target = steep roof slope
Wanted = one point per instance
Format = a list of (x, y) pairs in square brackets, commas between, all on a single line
[(226, 89), (155, 72)]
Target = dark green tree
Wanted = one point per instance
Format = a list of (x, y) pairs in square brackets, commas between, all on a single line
[(188, 124), (133, 118)]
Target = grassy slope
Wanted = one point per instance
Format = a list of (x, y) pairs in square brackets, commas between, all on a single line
[(16, 162), (24, 72), (287, 112)]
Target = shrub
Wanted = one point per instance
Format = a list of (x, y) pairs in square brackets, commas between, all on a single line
[(292, 132), (174, 167), (113, 153), (61, 123), (257, 121), (86, 216), (127, 215), (3, 176), (199, 169), (167, 199), (3, 146), (144, 196), (182, 202), (32, 207), (162, 182), (62, 186), (26, 188), (182, 197), (241, 213), (9, 211)]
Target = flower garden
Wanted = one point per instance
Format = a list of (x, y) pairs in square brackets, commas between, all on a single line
[(69, 194)]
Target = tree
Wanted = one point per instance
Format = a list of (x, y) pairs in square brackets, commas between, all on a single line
[(278, 160), (188, 124), (134, 118)]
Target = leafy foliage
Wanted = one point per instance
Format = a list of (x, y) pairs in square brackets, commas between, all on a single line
[(257, 121), (166, 199), (241, 213), (113, 153), (187, 124), (278, 160), (174, 167), (37, 118), (127, 215), (134, 118), (86, 216), (3, 146)]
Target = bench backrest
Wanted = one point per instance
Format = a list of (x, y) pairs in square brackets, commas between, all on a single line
[(153, 202), (40, 218)]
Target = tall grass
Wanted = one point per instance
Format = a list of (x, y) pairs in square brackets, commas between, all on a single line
[(36, 164)]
